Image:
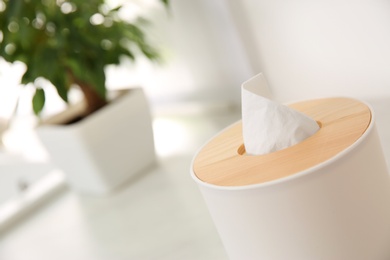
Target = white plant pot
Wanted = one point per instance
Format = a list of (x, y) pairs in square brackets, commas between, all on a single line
[(101, 152), (327, 197)]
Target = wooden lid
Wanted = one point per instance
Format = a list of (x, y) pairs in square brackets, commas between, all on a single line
[(223, 161)]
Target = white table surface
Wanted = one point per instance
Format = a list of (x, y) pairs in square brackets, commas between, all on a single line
[(159, 215)]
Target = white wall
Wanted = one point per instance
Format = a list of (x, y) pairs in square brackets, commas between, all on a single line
[(318, 48)]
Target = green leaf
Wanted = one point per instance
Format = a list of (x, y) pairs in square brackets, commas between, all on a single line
[(75, 66), (38, 101), (27, 77), (97, 79), (66, 48), (61, 84), (116, 9), (165, 2)]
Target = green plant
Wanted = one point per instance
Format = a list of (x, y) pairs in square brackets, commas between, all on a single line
[(69, 42)]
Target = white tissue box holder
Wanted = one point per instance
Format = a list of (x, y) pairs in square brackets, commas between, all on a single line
[(327, 197)]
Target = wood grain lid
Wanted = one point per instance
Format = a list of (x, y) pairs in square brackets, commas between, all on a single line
[(223, 161)]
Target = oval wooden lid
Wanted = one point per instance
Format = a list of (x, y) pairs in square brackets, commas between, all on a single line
[(223, 161)]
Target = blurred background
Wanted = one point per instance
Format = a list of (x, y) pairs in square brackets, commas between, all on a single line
[(203, 65), (305, 49)]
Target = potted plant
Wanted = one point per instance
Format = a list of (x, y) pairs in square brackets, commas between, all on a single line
[(69, 43)]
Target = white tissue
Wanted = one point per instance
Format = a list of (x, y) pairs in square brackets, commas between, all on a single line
[(267, 125)]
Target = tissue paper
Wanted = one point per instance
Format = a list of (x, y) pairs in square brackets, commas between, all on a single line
[(267, 125)]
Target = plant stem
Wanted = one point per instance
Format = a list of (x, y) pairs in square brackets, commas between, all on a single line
[(93, 99)]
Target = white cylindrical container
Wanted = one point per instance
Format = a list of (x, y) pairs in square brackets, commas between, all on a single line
[(327, 197)]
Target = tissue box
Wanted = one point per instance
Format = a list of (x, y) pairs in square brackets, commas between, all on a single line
[(327, 197)]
